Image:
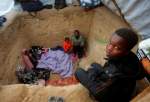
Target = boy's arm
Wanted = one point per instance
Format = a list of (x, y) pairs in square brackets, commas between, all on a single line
[(97, 72), (82, 41)]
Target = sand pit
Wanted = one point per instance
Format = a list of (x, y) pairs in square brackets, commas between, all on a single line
[(48, 29)]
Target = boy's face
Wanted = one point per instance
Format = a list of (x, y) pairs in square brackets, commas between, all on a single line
[(116, 47), (76, 34)]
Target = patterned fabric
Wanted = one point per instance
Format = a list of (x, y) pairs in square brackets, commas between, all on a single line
[(27, 76), (35, 53), (143, 53), (42, 73), (62, 82)]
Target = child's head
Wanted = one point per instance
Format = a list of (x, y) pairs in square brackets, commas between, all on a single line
[(121, 42), (76, 33), (67, 39)]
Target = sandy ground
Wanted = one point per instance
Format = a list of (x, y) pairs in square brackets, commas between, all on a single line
[(48, 29)]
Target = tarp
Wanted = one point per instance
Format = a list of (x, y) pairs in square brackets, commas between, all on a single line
[(136, 13)]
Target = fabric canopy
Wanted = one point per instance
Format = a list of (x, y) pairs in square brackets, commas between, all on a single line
[(136, 13)]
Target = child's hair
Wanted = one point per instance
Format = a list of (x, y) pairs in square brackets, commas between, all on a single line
[(67, 39), (77, 31), (129, 35)]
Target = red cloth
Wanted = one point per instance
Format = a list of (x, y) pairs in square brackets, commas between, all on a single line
[(62, 82), (67, 45)]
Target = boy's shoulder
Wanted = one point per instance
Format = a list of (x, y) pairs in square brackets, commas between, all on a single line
[(131, 56)]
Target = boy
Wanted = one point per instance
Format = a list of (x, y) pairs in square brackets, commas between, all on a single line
[(78, 42), (116, 80)]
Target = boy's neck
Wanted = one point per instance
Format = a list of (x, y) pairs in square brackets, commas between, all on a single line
[(117, 58)]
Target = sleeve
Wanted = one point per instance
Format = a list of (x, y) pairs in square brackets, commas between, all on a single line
[(72, 38), (141, 73), (82, 41), (96, 72)]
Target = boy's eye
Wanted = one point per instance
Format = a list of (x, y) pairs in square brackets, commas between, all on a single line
[(117, 48)]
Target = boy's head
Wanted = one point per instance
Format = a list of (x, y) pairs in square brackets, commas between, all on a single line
[(76, 33), (121, 42)]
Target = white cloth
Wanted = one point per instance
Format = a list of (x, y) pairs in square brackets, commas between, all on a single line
[(144, 44), (87, 1), (6, 6)]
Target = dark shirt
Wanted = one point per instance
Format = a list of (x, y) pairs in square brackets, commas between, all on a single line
[(123, 73)]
